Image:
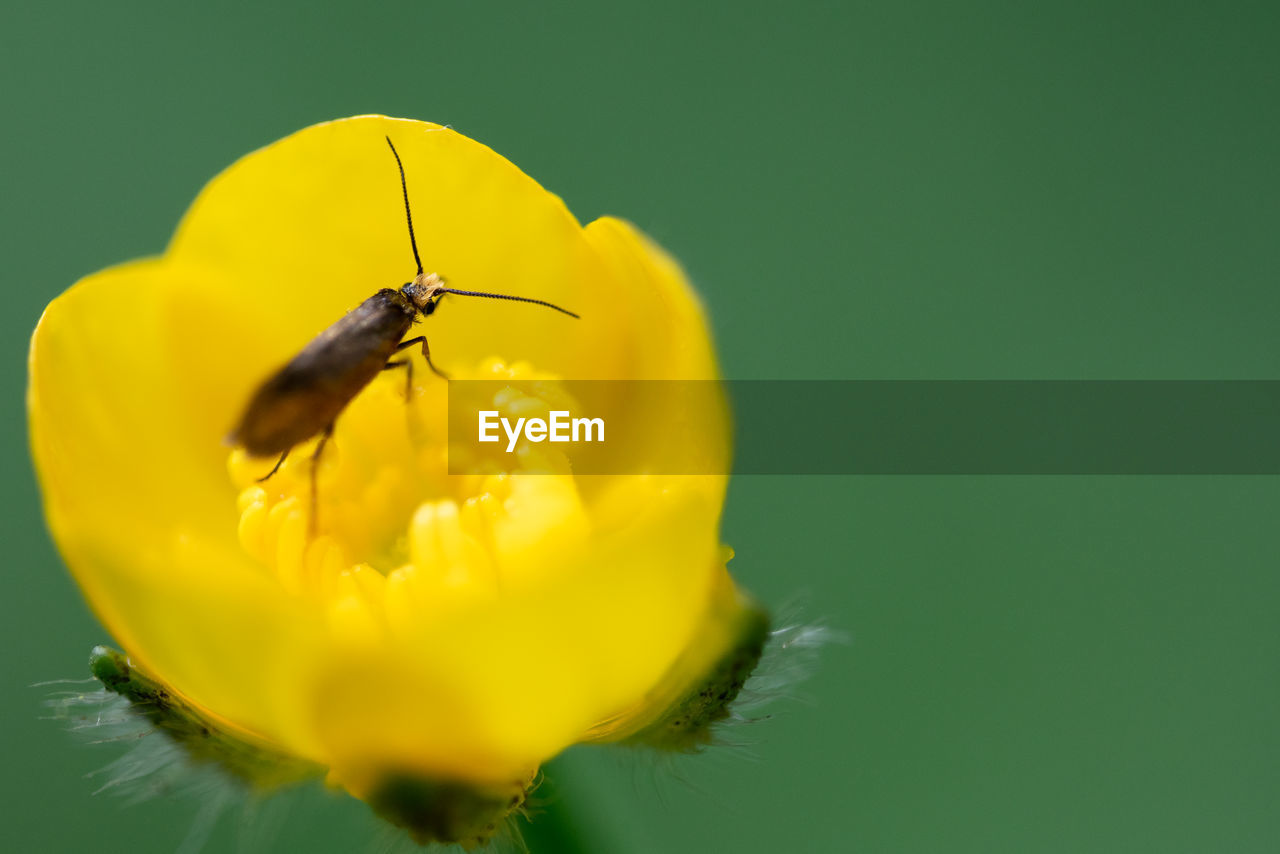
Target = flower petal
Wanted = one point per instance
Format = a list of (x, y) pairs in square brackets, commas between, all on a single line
[(304, 229)]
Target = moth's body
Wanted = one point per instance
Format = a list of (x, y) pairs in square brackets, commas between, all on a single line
[(306, 395)]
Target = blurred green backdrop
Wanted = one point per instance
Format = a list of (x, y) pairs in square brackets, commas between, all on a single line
[(860, 190)]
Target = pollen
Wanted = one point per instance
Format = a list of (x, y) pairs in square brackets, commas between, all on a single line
[(388, 509)]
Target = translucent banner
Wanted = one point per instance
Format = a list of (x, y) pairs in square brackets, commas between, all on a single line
[(866, 427)]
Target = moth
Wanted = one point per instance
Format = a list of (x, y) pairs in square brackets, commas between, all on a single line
[(304, 398)]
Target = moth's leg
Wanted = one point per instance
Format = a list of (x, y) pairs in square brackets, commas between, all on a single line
[(426, 354), (408, 374), (315, 465), (279, 463)]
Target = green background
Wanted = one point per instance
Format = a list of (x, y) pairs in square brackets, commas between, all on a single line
[(899, 190)]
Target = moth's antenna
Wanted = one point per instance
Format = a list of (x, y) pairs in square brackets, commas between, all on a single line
[(407, 214), (508, 296)]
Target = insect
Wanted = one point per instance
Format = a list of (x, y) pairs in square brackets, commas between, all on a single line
[(305, 397)]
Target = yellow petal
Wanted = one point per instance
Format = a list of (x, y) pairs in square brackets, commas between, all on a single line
[(305, 229), (667, 336), (515, 679)]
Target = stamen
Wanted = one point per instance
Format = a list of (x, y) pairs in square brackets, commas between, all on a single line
[(390, 514)]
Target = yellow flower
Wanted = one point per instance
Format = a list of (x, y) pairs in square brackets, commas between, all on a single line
[(457, 629)]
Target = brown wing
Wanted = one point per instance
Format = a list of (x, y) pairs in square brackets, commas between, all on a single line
[(308, 393)]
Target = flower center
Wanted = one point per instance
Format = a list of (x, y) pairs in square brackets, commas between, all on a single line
[(385, 503)]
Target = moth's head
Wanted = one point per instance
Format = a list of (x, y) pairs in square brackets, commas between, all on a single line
[(425, 292)]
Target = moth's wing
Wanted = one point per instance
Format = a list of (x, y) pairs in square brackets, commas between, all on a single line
[(308, 393)]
